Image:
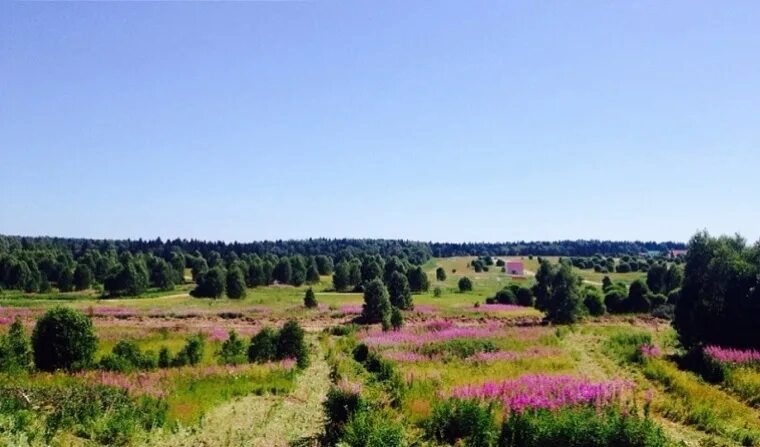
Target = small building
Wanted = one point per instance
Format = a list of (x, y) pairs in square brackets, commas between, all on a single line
[(515, 268), (677, 253)]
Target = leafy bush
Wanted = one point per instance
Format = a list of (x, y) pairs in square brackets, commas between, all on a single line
[(625, 346), (126, 357), (459, 347), (594, 301), (339, 406), (580, 427), (466, 421), (263, 346), (525, 296), (291, 344), (465, 284), (233, 350), (373, 428), (505, 296), (309, 299), (191, 353), (397, 318), (63, 338), (15, 349), (437, 292), (164, 357), (360, 353)]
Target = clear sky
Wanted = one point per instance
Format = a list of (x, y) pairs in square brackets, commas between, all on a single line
[(451, 121)]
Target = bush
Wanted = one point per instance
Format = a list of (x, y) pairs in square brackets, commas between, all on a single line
[(594, 301), (440, 274), (164, 357), (309, 299), (191, 353), (626, 346), (263, 346), (614, 300), (15, 349), (505, 296), (458, 347), (657, 299), (580, 427), (437, 292), (233, 350), (525, 296), (373, 428), (638, 300), (377, 305), (466, 421), (673, 296), (360, 353), (397, 318), (339, 406), (235, 283), (63, 338), (291, 344), (127, 357), (465, 284)]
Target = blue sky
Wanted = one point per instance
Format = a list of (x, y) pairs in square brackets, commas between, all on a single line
[(452, 121)]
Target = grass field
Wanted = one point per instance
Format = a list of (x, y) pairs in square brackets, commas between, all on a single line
[(447, 343)]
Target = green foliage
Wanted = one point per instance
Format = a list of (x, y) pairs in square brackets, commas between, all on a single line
[(437, 292), (377, 305), (164, 357), (399, 292), (719, 302), (397, 318), (440, 274), (465, 284), (283, 271), (63, 338), (458, 347), (162, 275), (593, 300), (505, 296), (263, 347), (130, 277), (566, 300), (191, 353), (342, 277), (418, 280), (580, 427), (312, 274), (309, 299), (291, 344), (638, 298), (233, 351), (525, 297), (373, 428), (462, 422), (66, 280), (126, 356), (360, 353), (339, 406), (235, 283), (82, 277), (624, 346), (15, 349), (210, 284)]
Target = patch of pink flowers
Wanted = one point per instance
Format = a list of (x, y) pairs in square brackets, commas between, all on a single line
[(414, 338), (404, 356), (497, 308), (350, 387), (546, 392), (512, 355), (734, 356), (351, 308), (425, 309), (109, 311), (8, 315), (649, 351), (439, 325)]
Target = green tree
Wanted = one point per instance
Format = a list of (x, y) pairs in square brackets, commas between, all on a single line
[(440, 274), (638, 297), (235, 283), (177, 262), (162, 275), (192, 352), (282, 272), (418, 280), (291, 344), (210, 284), (566, 302), (66, 280), (309, 299), (397, 318), (312, 274), (82, 277), (298, 271), (505, 296), (465, 284), (656, 278), (263, 346), (398, 291), (63, 338), (377, 305), (544, 279), (233, 350), (524, 296), (15, 349), (324, 264), (341, 277), (593, 299), (673, 278)]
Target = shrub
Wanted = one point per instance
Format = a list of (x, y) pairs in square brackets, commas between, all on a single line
[(505, 296), (437, 292), (309, 299), (614, 300), (638, 300), (440, 274), (191, 353), (625, 346), (235, 283), (210, 283), (339, 406), (657, 299), (580, 427), (673, 296), (126, 357), (594, 301), (233, 350), (397, 318), (360, 353), (291, 344), (63, 338), (525, 296), (456, 421), (15, 349), (373, 428), (377, 305), (164, 357), (465, 284), (263, 346), (459, 347)]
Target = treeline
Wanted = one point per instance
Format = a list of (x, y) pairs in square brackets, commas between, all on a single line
[(555, 248)]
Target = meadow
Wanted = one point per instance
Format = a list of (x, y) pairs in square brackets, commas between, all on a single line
[(453, 350)]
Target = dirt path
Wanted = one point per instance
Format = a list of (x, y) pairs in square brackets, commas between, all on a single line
[(271, 421)]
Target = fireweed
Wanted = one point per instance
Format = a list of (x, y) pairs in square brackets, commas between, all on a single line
[(546, 392), (649, 351), (732, 356), (408, 336)]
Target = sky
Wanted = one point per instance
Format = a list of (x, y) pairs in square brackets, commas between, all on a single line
[(442, 121)]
